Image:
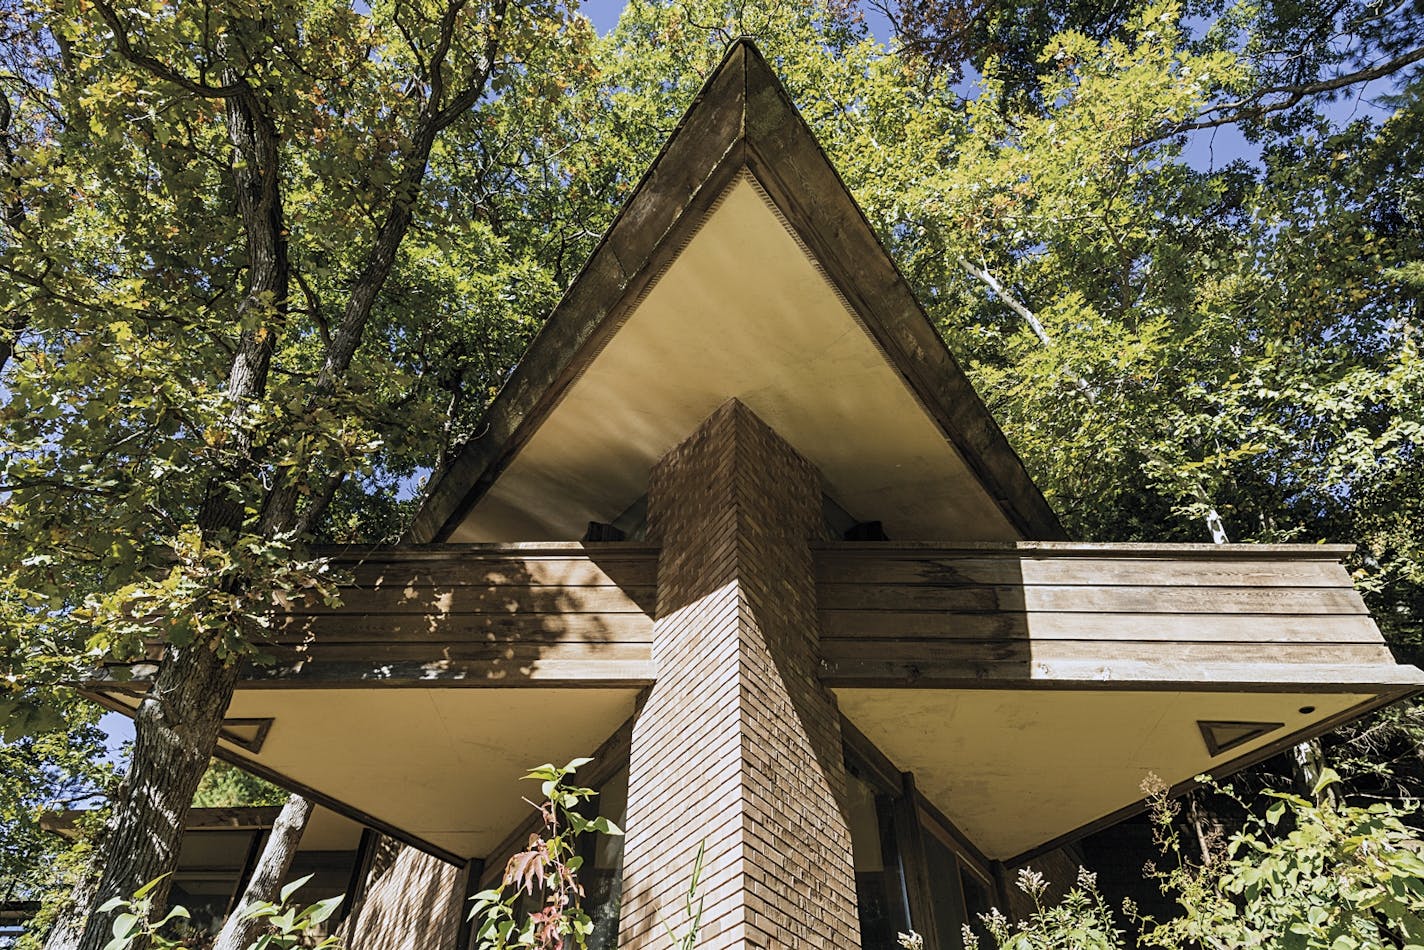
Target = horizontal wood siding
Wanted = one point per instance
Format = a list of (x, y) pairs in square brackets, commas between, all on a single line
[(901, 613), (467, 613)]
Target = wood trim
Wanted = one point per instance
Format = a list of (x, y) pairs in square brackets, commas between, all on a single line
[(888, 778), (1223, 771), (249, 867), (306, 791), (253, 745), (1208, 678), (360, 871), (1251, 732), (860, 751), (548, 671), (338, 806), (914, 862), (703, 154), (969, 855), (885, 550), (474, 871)]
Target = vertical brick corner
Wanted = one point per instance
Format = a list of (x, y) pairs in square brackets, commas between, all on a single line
[(738, 744)]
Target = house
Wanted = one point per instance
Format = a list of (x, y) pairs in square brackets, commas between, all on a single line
[(740, 528)]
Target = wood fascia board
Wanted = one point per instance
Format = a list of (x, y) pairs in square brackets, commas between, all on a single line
[(1092, 549), (403, 674), (741, 119), (345, 555), (1224, 770), (233, 818), (1288, 678), (703, 154), (328, 802), (797, 174)]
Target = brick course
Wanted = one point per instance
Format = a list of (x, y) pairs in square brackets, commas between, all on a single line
[(738, 744)]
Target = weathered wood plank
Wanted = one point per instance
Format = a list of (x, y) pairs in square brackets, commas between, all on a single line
[(881, 626), (567, 564), (562, 666), (1028, 654), (493, 653), (338, 627), (1085, 598), (506, 598), (1209, 677), (869, 568), (485, 572)]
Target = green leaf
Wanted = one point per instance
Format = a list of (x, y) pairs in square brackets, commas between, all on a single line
[(321, 910), (144, 891), (291, 888), (125, 924)]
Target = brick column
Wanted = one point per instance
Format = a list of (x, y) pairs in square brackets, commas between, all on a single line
[(738, 743)]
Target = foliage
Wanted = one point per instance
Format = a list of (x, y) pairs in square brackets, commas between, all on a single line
[(691, 906), (227, 786), (544, 875), (1299, 874), (43, 773), (1081, 920), (287, 925), (253, 285), (118, 417)]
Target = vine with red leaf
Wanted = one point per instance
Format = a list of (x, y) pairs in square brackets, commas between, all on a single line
[(544, 875)]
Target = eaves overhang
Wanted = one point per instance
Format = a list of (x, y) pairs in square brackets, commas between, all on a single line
[(742, 129)]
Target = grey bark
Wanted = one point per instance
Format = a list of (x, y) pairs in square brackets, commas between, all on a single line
[(240, 931)]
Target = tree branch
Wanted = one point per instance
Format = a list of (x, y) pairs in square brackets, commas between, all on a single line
[(1251, 107), (157, 68)]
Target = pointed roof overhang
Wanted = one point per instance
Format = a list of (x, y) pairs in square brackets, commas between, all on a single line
[(741, 129)]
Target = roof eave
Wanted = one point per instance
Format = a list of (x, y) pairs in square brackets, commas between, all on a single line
[(741, 119)]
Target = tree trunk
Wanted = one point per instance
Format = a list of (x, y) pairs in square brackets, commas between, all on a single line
[(240, 931), (1308, 764), (176, 727), (175, 730)]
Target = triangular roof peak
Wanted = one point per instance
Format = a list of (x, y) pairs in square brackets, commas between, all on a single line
[(740, 267)]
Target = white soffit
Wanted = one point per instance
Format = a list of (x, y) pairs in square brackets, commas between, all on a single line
[(328, 831), (440, 764), (742, 312), (1015, 769)]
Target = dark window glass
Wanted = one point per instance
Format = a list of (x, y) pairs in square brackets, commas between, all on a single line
[(976, 902), (879, 883), (602, 872), (945, 894)]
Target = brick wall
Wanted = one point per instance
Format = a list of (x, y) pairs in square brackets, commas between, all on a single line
[(737, 743)]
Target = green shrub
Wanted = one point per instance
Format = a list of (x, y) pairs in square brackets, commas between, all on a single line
[(1300, 875)]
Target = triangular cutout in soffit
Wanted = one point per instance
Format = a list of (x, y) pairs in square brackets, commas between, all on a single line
[(1224, 736), (739, 268)]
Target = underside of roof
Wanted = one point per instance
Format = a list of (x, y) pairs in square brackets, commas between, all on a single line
[(740, 268)]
